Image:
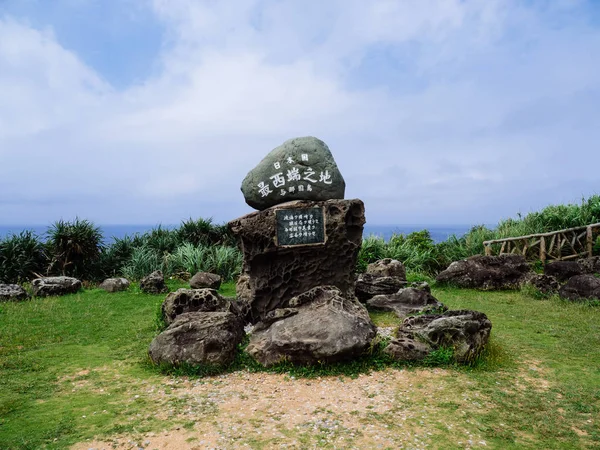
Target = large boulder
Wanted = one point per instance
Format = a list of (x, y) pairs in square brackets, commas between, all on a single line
[(317, 326), (154, 283), (192, 300), (387, 267), (199, 338), (114, 284), (505, 271), (300, 169), (369, 286), (408, 301), (581, 287), (205, 280), (590, 265), (12, 292), (466, 332), (47, 286), (273, 273), (563, 270)]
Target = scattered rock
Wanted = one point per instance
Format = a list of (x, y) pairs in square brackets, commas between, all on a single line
[(590, 265), (369, 286), (12, 292), (546, 284), (272, 274), (47, 286), (563, 270), (205, 280), (154, 283), (318, 326), (192, 300), (299, 169), (115, 284), (505, 271), (407, 349), (467, 332), (199, 338), (581, 287), (387, 267), (408, 301)]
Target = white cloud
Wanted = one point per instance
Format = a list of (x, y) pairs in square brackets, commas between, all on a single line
[(499, 97)]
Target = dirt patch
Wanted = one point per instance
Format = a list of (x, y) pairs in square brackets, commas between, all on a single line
[(386, 409)]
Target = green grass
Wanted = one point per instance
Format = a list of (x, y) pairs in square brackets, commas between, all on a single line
[(75, 367)]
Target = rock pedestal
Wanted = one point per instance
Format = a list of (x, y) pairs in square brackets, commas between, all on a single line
[(293, 247)]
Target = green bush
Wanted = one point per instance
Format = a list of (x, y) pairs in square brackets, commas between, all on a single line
[(22, 257), (75, 248), (114, 257)]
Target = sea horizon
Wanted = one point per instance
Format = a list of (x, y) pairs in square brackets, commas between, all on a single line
[(438, 232)]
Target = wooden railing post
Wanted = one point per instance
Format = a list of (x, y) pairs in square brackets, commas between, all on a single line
[(590, 241), (543, 250), (488, 250)]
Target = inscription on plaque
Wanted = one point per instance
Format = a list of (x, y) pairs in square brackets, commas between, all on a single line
[(300, 226)]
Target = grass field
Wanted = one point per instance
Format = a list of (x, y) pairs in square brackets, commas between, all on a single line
[(75, 367)]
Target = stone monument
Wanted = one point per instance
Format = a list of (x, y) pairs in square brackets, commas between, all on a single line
[(305, 234)]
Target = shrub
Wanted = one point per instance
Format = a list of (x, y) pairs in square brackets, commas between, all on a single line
[(115, 256), (222, 260), (22, 257), (75, 248)]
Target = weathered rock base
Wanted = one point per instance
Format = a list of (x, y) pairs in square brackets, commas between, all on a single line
[(318, 326), (408, 301), (272, 274), (12, 293)]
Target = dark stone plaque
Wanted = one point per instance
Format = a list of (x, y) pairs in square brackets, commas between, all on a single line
[(300, 226)]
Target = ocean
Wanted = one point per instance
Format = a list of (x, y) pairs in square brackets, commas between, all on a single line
[(438, 232)]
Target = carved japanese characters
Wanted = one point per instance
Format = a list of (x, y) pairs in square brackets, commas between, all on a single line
[(299, 169)]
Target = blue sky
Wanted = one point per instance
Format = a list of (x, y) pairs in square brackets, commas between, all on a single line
[(437, 111)]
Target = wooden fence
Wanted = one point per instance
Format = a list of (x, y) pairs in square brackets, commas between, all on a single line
[(556, 245)]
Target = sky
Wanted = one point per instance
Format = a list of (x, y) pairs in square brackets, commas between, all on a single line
[(436, 111)]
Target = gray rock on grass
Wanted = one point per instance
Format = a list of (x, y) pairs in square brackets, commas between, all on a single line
[(369, 286), (114, 284), (408, 301), (193, 300), (387, 267), (199, 338), (302, 168), (48, 286), (12, 293), (505, 271), (581, 287), (466, 332), (203, 280), (154, 283)]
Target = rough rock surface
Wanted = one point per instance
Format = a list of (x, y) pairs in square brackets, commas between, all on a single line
[(272, 275), (408, 301), (303, 161), (205, 280), (319, 325), (546, 284), (581, 287), (199, 338), (487, 272), (368, 286), (387, 267), (44, 287), (467, 332), (193, 300), (154, 283), (563, 270), (115, 284), (12, 292)]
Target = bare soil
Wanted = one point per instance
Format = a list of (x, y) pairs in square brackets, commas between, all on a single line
[(387, 409)]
